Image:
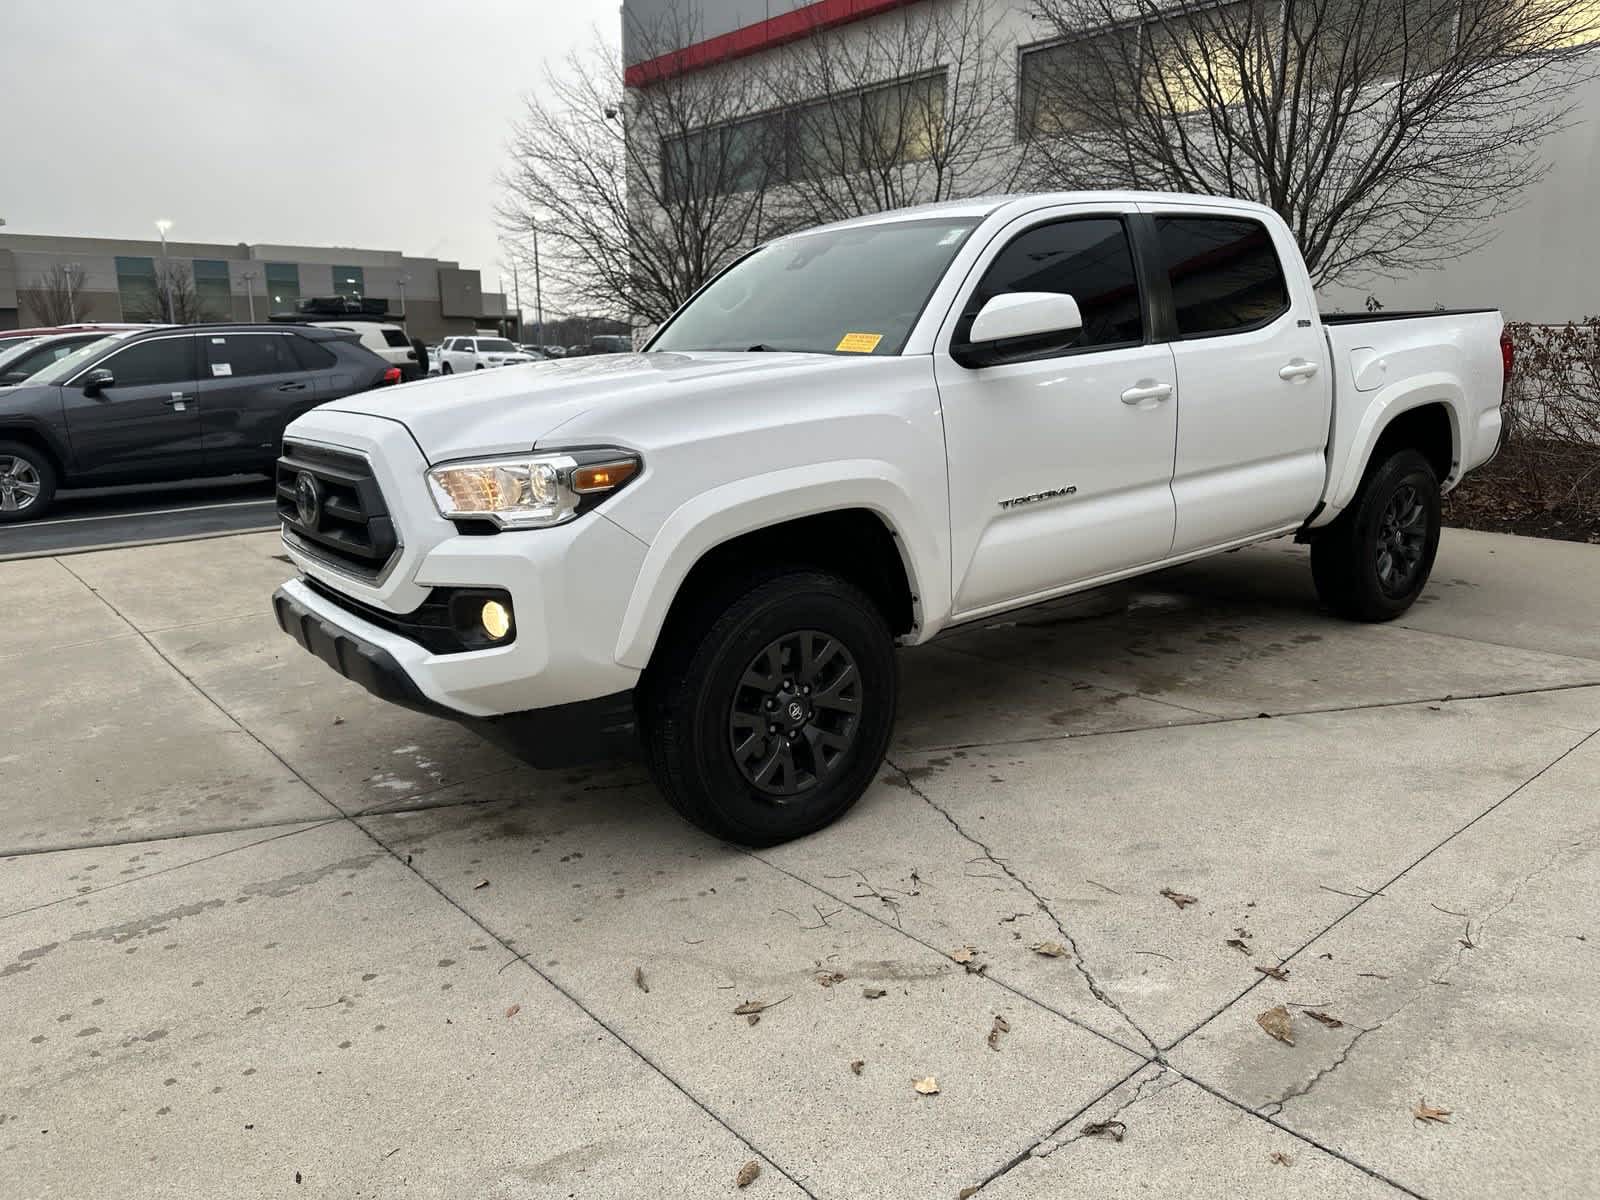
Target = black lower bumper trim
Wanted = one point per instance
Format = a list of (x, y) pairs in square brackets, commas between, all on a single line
[(566, 735)]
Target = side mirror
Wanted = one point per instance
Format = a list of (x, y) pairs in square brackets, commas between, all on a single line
[(97, 381), (1038, 316)]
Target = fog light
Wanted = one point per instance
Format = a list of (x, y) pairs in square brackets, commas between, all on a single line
[(496, 619)]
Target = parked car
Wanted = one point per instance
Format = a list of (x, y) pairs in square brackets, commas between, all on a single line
[(576, 351), (23, 357), (8, 336), (476, 353), (554, 351), (865, 434), (531, 350), (387, 340), (169, 403), (610, 343)]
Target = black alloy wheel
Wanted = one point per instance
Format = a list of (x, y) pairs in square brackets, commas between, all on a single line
[(1402, 541), (795, 713)]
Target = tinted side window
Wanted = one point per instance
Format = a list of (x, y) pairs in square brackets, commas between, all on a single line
[(311, 355), (239, 355), (1088, 259), (396, 338), (166, 360), (1225, 273)]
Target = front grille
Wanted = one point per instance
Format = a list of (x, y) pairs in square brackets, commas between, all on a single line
[(351, 527)]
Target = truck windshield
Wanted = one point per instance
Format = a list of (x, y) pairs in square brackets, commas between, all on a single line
[(841, 291)]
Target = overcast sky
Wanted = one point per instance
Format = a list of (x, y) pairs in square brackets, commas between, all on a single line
[(374, 123)]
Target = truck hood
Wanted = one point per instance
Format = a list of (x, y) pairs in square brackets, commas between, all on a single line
[(518, 407)]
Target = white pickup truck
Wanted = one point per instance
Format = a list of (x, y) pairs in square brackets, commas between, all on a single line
[(858, 436)]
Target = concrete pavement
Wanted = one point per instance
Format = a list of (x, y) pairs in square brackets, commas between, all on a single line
[(262, 935)]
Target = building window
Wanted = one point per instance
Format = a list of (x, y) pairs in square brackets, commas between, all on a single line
[(212, 289), (136, 287), (882, 126), (1071, 87), (349, 281), (283, 287)]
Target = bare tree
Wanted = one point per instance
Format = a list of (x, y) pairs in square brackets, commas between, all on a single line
[(907, 108), (639, 193), (56, 297), (174, 287), (1388, 133)]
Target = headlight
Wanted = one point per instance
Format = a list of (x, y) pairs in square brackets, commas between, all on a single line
[(531, 491)]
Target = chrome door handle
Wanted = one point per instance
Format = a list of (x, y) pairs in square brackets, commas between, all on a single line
[(1297, 369), (177, 400), (1152, 391)]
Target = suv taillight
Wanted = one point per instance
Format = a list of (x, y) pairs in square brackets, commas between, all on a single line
[(392, 375), (1508, 358)]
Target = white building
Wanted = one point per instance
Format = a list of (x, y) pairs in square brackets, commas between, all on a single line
[(1539, 267)]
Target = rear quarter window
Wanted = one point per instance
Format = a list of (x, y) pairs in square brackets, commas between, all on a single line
[(396, 338), (311, 355), (1224, 272)]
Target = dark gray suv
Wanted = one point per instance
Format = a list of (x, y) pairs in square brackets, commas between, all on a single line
[(170, 402)]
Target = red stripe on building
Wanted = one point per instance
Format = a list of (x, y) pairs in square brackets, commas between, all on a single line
[(752, 39)]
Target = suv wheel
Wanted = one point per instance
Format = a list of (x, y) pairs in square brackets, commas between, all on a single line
[(774, 713), (27, 482), (446, 369), (1372, 563)]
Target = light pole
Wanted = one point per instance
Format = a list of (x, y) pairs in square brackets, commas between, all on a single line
[(516, 289), (71, 270), (166, 273), (538, 294), (401, 284), (249, 278)]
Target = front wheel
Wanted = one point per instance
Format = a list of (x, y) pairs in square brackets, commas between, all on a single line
[(771, 712), (1372, 563), (446, 369), (27, 482)]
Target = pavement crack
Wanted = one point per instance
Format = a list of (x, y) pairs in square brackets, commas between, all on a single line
[(1273, 1107), (1163, 1076), (1082, 967)]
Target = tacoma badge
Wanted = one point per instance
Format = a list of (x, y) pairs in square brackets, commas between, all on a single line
[(1038, 496)]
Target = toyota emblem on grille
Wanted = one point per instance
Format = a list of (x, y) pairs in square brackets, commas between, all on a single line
[(308, 499)]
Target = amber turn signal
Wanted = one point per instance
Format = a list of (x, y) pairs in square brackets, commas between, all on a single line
[(602, 477)]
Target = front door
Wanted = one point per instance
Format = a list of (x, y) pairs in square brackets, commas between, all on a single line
[(1060, 463), (1252, 375), (146, 423), (251, 386)]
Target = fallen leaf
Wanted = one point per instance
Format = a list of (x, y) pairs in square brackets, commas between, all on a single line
[(963, 954), (966, 1192), (1324, 1019), (1178, 898), (1329, 957), (1427, 1112), (1000, 1026), (638, 980), (1276, 1023), (874, 993), (856, 1064), (747, 1173), (1275, 972), (754, 1019), (482, 883), (513, 1010), (928, 1086), (1111, 1129), (1282, 1159), (338, 720), (828, 978), (1049, 949), (1239, 946), (751, 1007)]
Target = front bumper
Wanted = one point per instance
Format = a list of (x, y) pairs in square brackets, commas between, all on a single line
[(599, 729)]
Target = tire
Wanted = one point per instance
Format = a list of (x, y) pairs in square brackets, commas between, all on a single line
[(1372, 563), (446, 369), (27, 482), (700, 703)]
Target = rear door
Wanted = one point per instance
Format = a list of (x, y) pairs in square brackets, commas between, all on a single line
[(147, 423), (251, 386), (1060, 463), (1254, 389)]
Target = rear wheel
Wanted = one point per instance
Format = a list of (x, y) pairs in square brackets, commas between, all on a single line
[(27, 482), (769, 716), (446, 369), (1372, 563)]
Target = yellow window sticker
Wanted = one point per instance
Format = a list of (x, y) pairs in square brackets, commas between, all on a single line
[(859, 343)]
